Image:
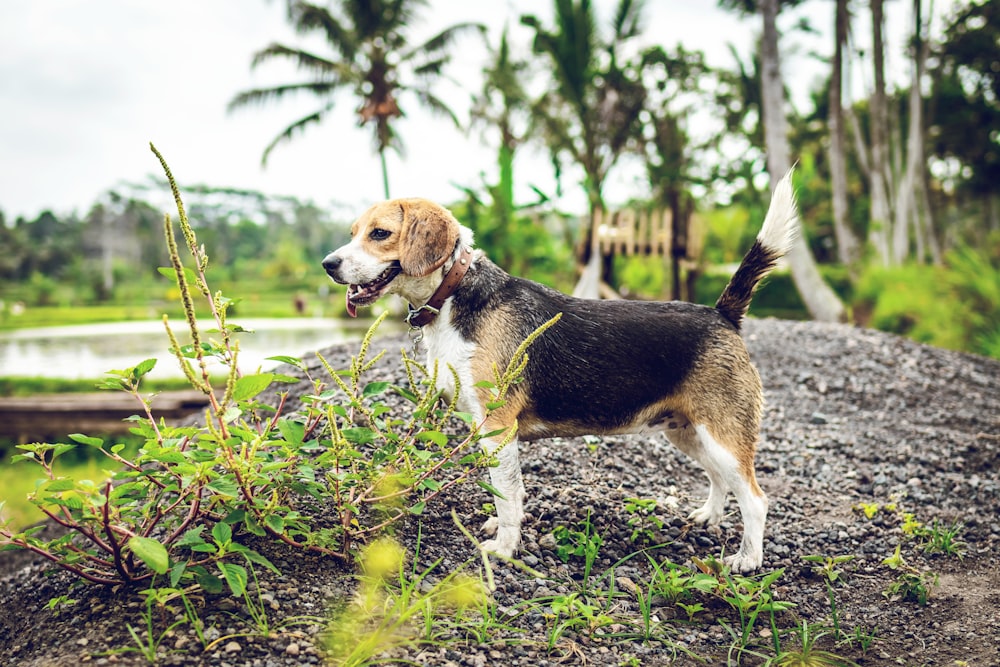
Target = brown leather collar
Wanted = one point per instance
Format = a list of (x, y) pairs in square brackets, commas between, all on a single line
[(425, 314)]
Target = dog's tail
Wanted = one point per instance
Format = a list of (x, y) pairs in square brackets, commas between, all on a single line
[(773, 241)]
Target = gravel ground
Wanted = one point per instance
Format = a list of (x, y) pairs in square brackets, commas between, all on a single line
[(852, 416)]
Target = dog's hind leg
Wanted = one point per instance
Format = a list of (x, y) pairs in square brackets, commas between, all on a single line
[(727, 471), (684, 436), (506, 479)]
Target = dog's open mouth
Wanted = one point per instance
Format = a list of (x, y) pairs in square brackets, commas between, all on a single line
[(367, 294)]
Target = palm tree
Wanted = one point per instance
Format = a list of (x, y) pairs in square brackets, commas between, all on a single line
[(592, 112), (371, 58), (502, 107)]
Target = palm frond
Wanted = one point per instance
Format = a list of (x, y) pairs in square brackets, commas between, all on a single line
[(447, 37), (303, 59), (435, 104), (307, 17), (275, 93), (628, 16)]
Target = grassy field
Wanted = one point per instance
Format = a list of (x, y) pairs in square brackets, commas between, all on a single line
[(18, 479)]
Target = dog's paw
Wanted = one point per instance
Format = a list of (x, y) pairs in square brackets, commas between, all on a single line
[(741, 562), (502, 548), (490, 526), (707, 514)]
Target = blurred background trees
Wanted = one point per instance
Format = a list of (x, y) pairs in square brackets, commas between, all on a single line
[(897, 185)]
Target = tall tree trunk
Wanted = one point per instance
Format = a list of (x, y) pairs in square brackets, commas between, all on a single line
[(847, 243), (385, 172), (881, 217), (821, 301), (910, 211)]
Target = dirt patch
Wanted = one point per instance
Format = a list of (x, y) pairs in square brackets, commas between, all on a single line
[(853, 417)]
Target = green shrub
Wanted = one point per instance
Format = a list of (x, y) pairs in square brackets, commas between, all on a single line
[(956, 306), (178, 506)]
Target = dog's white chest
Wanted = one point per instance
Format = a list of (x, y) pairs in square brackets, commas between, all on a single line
[(451, 351)]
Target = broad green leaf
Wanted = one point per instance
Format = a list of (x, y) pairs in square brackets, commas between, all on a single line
[(438, 438), (359, 435), (407, 394), (169, 272), (59, 485), (222, 533), (430, 484), (143, 368), (191, 537), (86, 439), (292, 431), (224, 487), (418, 509), (255, 557), (293, 361), (150, 552), (210, 583), (234, 517), (275, 523), (176, 572), (249, 386), (236, 577), (374, 389)]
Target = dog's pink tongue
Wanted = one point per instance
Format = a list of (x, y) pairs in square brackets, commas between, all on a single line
[(352, 310)]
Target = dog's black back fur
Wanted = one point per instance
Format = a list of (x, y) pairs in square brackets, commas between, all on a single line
[(649, 355)]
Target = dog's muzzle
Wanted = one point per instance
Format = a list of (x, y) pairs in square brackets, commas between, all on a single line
[(360, 294), (332, 264)]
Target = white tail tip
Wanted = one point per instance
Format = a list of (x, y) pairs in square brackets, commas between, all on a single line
[(782, 220)]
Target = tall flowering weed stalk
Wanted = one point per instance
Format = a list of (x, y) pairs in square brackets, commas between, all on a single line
[(325, 479)]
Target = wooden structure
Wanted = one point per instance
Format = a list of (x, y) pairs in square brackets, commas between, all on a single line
[(633, 232), (33, 418)]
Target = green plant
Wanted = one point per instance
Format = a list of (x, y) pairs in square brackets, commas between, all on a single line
[(177, 506), (59, 604), (148, 643), (808, 655), (911, 583), (827, 567), (642, 519), (750, 597), (939, 538), (575, 611), (583, 543), (863, 636), (399, 606), (678, 584)]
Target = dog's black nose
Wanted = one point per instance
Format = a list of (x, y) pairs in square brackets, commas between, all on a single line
[(332, 263)]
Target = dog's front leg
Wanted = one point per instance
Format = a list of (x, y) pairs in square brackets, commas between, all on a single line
[(505, 478)]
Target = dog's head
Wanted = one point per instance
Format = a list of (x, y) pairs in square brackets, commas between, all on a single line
[(397, 247)]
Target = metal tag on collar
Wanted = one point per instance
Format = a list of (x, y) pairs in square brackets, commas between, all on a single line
[(413, 312), (416, 335)]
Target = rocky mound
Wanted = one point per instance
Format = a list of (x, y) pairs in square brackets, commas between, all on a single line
[(853, 419)]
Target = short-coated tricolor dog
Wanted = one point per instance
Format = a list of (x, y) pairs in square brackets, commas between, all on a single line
[(606, 367)]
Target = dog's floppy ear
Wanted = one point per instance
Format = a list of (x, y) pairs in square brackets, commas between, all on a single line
[(429, 237)]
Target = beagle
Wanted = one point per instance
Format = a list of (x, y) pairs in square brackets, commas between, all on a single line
[(606, 367)]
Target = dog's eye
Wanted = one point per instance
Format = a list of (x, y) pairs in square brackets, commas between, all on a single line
[(379, 234)]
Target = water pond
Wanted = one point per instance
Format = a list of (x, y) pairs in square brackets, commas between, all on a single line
[(88, 351)]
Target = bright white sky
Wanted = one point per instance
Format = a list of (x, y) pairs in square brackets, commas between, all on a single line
[(85, 86)]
